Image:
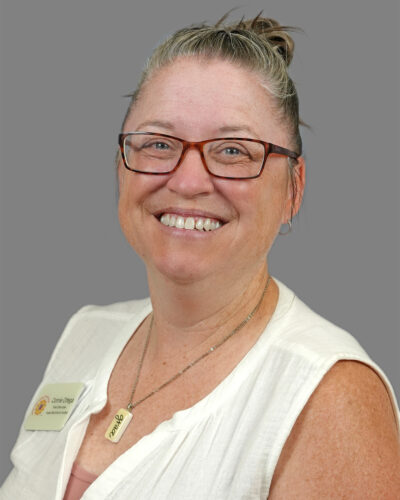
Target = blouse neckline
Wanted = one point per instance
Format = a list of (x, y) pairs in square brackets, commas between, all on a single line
[(209, 404)]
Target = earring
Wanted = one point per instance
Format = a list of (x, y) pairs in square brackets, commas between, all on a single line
[(289, 223)]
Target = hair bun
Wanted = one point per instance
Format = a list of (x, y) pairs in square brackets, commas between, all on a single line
[(269, 29)]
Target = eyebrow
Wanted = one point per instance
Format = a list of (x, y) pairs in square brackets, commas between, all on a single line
[(155, 123), (227, 129), (237, 128)]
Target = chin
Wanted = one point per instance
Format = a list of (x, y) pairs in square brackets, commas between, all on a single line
[(180, 268)]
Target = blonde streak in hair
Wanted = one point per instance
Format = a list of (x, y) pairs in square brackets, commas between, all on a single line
[(265, 61), (272, 67), (275, 78)]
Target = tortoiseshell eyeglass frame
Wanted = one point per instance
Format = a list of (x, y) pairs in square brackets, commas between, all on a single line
[(269, 148)]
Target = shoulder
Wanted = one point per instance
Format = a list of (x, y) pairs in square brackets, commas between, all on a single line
[(116, 309), (94, 319), (305, 331), (345, 442), (90, 332), (114, 313)]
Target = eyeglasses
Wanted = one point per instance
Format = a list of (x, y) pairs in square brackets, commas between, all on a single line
[(226, 157)]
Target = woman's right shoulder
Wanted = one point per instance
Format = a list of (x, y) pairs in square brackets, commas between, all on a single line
[(90, 331), (124, 309)]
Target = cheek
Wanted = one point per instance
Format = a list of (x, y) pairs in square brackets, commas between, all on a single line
[(125, 217), (131, 192), (126, 206), (262, 210), (124, 189), (135, 194), (275, 191), (130, 222), (260, 202)]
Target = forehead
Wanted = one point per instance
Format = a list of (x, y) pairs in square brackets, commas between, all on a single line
[(196, 99)]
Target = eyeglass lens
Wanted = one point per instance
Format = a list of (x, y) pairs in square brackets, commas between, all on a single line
[(225, 158)]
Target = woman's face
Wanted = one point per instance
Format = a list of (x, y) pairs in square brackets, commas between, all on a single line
[(195, 101)]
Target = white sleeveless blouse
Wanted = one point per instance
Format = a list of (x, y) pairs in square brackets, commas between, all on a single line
[(225, 447)]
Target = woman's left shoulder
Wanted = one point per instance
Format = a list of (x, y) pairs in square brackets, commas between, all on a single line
[(344, 442), (356, 394)]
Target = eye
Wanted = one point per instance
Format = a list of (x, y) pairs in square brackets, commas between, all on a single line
[(231, 151), (159, 145)]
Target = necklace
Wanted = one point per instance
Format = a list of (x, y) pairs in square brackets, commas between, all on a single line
[(124, 415)]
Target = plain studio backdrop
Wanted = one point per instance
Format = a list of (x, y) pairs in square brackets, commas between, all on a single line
[(64, 68)]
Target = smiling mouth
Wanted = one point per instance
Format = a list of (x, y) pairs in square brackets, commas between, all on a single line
[(190, 223)]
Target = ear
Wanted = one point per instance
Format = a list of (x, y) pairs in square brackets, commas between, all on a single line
[(295, 190)]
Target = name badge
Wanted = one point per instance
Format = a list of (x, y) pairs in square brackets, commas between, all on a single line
[(53, 407)]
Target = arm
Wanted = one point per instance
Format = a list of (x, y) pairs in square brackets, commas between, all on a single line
[(344, 444)]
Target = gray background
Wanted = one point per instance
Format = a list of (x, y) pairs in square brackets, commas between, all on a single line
[(63, 69)]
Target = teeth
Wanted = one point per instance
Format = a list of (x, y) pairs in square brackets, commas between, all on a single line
[(165, 219), (180, 222), (207, 225), (190, 223)]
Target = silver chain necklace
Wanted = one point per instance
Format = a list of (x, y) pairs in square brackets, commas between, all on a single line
[(123, 417)]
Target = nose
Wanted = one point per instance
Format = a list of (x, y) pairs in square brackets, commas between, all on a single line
[(191, 178)]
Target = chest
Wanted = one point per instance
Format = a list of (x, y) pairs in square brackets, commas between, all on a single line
[(214, 456), (161, 391), (97, 453)]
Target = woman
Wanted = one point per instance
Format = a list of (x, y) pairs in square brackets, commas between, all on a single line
[(224, 384)]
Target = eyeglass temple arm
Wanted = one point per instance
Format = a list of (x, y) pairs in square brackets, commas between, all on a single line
[(283, 151)]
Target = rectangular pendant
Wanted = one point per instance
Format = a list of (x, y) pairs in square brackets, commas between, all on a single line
[(118, 425)]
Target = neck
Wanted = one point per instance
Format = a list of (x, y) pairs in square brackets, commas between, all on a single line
[(187, 315)]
